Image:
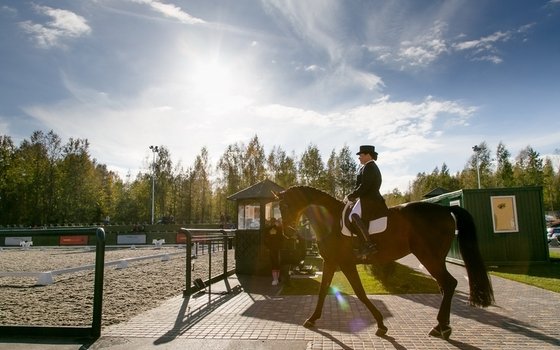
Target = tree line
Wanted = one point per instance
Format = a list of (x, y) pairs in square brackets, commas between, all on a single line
[(45, 181)]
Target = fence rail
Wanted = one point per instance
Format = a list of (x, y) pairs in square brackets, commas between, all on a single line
[(64, 332), (200, 240), (207, 237)]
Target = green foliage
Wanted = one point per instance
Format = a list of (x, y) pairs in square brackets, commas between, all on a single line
[(504, 168), (528, 170), (45, 180), (282, 168), (425, 183), (345, 172), (254, 162), (312, 169), (201, 189)]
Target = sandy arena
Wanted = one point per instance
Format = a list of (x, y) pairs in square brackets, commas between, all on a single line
[(141, 286)]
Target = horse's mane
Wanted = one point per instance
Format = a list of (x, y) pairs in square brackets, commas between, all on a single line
[(315, 195), (325, 210)]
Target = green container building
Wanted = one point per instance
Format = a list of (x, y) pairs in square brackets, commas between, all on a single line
[(510, 224)]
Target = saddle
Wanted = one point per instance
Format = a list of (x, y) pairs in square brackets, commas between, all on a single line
[(375, 226)]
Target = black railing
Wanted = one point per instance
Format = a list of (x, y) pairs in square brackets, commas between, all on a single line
[(64, 331), (207, 237)]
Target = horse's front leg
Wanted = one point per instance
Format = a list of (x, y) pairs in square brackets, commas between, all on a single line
[(329, 269), (351, 273)]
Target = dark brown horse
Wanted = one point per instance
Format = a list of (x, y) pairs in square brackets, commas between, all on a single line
[(423, 229)]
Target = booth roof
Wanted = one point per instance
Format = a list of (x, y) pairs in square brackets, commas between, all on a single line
[(260, 190)]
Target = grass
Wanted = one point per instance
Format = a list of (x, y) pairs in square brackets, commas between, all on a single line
[(554, 255), (400, 280), (546, 276), (404, 280)]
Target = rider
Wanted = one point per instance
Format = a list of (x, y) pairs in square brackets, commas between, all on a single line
[(371, 204)]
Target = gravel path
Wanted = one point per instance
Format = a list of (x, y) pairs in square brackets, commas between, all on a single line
[(128, 292)]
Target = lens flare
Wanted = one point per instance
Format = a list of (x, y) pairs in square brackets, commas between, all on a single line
[(354, 322), (341, 300)]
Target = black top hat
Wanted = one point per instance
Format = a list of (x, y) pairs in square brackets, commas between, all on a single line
[(367, 149)]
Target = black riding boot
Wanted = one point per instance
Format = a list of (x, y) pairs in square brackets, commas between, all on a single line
[(368, 247)]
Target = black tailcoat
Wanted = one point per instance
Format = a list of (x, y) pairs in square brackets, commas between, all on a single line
[(368, 183)]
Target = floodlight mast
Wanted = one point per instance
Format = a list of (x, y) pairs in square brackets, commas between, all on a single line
[(155, 149), (477, 150)]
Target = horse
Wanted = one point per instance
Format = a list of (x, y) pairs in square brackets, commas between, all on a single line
[(421, 228)]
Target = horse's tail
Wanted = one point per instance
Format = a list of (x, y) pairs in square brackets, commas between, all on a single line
[(481, 292)]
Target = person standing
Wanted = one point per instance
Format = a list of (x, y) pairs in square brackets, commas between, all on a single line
[(369, 204), (274, 239)]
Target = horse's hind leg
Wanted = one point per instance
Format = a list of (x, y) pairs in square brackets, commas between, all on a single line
[(447, 284), (351, 273), (328, 273)]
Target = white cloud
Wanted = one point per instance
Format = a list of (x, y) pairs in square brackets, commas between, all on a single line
[(418, 52), (317, 23), (485, 48), (484, 43), (426, 48), (291, 116), (490, 58), (393, 123), (314, 68), (171, 11), (64, 24), (120, 131), (8, 10)]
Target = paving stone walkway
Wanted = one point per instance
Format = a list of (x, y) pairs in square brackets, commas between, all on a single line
[(524, 317)]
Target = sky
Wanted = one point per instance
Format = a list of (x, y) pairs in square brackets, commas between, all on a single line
[(422, 81)]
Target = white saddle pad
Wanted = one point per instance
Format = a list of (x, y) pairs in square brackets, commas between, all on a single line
[(375, 226)]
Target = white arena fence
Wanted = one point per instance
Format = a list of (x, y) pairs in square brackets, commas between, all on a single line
[(45, 278), (201, 245)]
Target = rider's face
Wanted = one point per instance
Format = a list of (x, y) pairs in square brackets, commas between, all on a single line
[(364, 158)]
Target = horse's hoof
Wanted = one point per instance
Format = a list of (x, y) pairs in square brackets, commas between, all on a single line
[(309, 324), (443, 332), (381, 331)]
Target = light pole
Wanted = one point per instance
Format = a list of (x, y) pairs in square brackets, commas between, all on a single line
[(155, 150), (477, 150)]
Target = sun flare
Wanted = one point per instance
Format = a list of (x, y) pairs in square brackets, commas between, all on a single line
[(212, 79), (218, 86)]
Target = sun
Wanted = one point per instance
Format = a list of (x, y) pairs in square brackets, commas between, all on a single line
[(219, 87), (207, 83), (212, 80)]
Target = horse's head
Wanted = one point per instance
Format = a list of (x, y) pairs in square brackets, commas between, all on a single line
[(288, 211), (321, 209)]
